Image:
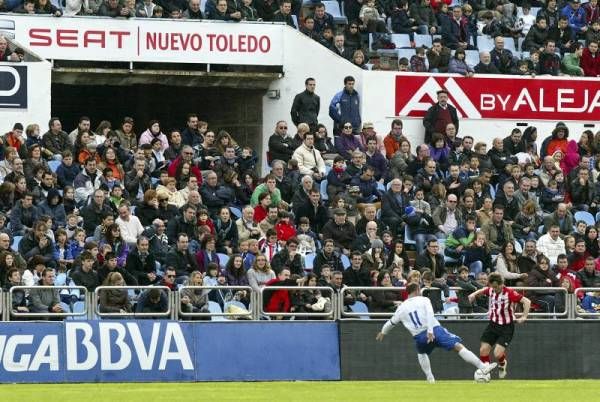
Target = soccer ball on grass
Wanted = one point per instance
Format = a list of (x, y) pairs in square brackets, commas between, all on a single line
[(480, 376)]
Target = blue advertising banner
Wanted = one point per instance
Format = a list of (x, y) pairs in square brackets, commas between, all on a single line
[(31, 352), (257, 351), (161, 350)]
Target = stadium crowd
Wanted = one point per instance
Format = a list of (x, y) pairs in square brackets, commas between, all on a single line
[(134, 204), (555, 38)]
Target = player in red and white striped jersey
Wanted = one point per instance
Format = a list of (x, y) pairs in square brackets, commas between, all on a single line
[(500, 329)]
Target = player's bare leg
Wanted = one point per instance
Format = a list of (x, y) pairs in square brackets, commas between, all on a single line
[(426, 367), (500, 355), (470, 358)]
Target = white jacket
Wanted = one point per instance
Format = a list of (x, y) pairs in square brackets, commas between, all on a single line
[(309, 159), (551, 248)]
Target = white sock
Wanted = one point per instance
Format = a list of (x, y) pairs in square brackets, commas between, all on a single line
[(425, 365), (470, 358)]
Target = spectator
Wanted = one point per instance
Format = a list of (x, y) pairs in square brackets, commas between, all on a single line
[(563, 35), (181, 259), (119, 246), (38, 243), (551, 245), (590, 60), (86, 276), (357, 274), (130, 225), (562, 218), (112, 8), (341, 231), (141, 263), (507, 266), (310, 162), (589, 276), (455, 32), (55, 139), (576, 16), (497, 230), (226, 232), (23, 215), (500, 157), (458, 65), (425, 20), (193, 11), (439, 116), (19, 299), (44, 300), (288, 258), (152, 301), (447, 218), (508, 201), (329, 257), (367, 186), (110, 266), (307, 104), (280, 147), (314, 210), (393, 204), (438, 57), (284, 14), (260, 273), (347, 143), (345, 106), (582, 192), (502, 58), (114, 300), (485, 65), (549, 60), (541, 276), (87, 181), (432, 260)]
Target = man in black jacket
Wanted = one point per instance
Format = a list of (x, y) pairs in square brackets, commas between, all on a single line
[(392, 207), (439, 116), (181, 260), (306, 106), (142, 264), (485, 65), (314, 210), (186, 223), (280, 146), (499, 156)]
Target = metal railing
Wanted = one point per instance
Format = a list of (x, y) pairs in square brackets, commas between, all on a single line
[(325, 290), (367, 291), (249, 313), (577, 307), (27, 289), (89, 307), (169, 313)]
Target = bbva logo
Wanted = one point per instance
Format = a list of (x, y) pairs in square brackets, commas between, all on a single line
[(415, 95)]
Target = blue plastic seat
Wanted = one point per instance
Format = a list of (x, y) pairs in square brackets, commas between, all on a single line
[(586, 217), (323, 190), (16, 241), (345, 261), (309, 260), (223, 259), (360, 307), (215, 308), (235, 212), (53, 165), (408, 239)]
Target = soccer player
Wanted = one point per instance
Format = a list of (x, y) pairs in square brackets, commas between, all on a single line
[(501, 327), (416, 314)]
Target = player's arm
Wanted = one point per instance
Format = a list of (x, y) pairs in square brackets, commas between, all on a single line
[(526, 303), (430, 318), (476, 294), (389, 324)]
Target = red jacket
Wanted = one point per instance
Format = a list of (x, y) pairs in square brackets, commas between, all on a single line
[(589, 64), (285, 231), (280, 301), (172, 169)]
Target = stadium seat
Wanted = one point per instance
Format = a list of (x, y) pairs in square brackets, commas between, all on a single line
[(586, 217), (203, 6), (598, 217), (16, 241), (333, 8), (323, 189), (360, 307), (235, 212), (53, 165), (296, 21), (521, 40), (309, 260), (518, 247), (408, 239), (401, 41), (133, 209), (215, 308), (408, 53), (381, 187), (223, 259), (509, 44), (472, 57), (484, 42), (61, 279), (345, 261), (78, 307), (423, 40)]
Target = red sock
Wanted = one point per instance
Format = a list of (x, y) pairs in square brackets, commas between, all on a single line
[(484, 359), (501, 359)]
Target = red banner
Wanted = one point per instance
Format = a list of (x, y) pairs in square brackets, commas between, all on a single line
[(502, 97)]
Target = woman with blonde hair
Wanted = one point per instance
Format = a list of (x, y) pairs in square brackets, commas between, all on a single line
[(484, 214), (260, 273), (223, 140), (114, 300), (194, 300)]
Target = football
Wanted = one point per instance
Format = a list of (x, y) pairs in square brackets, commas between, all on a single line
[(479, 376)]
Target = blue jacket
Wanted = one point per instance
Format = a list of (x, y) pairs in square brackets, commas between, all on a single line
[(345, 107), (368, 189), (66, 174), (577, 19)]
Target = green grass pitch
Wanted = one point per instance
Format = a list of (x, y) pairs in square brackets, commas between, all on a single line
[(365, 391)]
